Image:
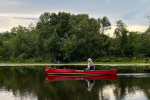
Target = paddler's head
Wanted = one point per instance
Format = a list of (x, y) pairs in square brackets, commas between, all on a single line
[(89, 60)]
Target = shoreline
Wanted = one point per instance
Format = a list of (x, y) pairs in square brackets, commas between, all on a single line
[(46, 64)]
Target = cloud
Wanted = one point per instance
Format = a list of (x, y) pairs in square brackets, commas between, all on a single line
[(10, 22), (130, 15), (135, 28), (26, 18), (144, 1), (7, 6), (9, 2), (33, 15)]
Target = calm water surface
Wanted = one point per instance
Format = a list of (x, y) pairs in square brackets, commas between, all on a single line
[(31, 83)]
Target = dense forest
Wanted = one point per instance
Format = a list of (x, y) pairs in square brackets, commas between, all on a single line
[(68, 37)]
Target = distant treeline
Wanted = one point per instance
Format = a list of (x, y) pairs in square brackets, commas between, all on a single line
[(69, 37)]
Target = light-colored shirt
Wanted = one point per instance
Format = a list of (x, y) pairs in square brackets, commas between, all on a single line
[(89, 65)]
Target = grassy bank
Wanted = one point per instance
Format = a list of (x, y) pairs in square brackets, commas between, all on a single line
[(75, 64)]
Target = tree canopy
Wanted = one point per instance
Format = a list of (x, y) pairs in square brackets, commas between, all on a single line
[(64, 36)]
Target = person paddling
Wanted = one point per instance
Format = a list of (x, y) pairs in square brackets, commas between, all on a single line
[(90, 65)]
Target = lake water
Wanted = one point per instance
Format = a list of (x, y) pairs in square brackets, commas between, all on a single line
[(32, 83)]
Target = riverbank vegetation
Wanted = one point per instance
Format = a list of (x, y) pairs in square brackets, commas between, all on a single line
[(64, 37)]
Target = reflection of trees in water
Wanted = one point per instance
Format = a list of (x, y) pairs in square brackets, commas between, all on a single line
[(110, 92), (107, 92), (24, 80), (125, 88)]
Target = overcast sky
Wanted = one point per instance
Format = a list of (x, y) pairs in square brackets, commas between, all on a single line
[(23, 12)]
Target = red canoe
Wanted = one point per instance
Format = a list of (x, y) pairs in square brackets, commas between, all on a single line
[(69, 71), (59, 78)]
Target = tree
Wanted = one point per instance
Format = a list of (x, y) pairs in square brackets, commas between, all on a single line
[(104, 24), (120, 28), (69, 47), (51, 46), (121, 38)]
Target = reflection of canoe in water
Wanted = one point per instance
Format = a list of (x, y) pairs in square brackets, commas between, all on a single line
[(59, 78), (69, 71)]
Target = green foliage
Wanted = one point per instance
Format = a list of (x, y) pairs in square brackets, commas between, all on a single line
[(75, 38), (104, 24)]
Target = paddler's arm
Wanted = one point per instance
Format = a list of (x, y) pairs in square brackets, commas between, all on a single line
[(88, 67)]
